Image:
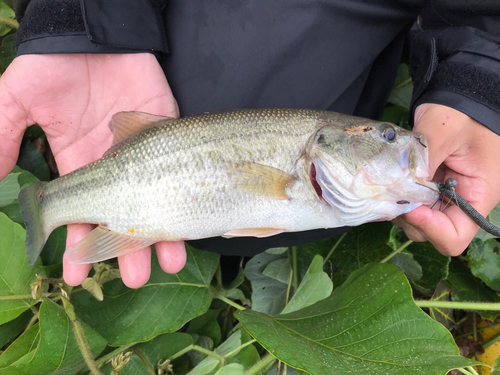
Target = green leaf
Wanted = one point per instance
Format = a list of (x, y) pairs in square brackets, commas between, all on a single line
[(369, 325), (278, 269), (485, 262), (274, 370), (55, 246), (20, 351), (407, 264), (209, 364), (58, 351), (364, 244), (496, 367), (159, 348), (8, 50), (16, 274), (163, 305), (11, 329), (315, 286), (232, 369), (397, 115), (434, 266), (465, 288), (403, 87), (32, 160), (207, 325), (9, 189), (493, 218), (268, 294), (5, 11)]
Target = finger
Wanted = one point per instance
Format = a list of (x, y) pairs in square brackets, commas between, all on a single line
[(449, 231), (171, 255), (135, 268), (75, 274)]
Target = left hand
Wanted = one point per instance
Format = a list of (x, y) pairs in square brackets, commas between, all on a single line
[(464, 149)]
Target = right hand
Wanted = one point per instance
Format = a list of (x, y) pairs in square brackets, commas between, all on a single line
[(72, 97)]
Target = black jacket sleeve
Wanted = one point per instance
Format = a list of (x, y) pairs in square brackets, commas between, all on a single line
[(455, 58), (89, 26)]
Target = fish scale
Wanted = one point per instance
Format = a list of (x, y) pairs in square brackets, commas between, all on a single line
[(241, 172)]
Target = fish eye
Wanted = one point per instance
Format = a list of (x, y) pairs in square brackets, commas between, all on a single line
[(389, 133)]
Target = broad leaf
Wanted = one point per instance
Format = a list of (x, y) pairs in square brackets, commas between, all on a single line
[(58, 351), (158, 349), (364, 244), (206, 325), (434, 266), (16, 274), (5, 11), (268, 294), (163, 305), (30, 159), (21, 351), (369, 325), (278, 270), (406, 263), (8, 50), (11, 329), (315, 286), (465, 287), (9, 189), (485, 262)]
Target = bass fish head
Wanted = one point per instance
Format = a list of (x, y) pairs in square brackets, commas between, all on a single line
[(370, 170)]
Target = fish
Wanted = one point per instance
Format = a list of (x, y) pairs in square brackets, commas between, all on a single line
[(235, 173)]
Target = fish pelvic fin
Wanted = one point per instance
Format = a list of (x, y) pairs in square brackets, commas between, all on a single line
[(124, 124), (253, 232), (262, 180), (36, 230), (101, 244)]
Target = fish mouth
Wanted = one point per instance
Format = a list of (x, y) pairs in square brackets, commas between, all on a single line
[(425, 182)]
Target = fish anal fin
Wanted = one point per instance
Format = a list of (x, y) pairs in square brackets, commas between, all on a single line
[(262, 180), (101, 244), (253, 232), (123, 124)]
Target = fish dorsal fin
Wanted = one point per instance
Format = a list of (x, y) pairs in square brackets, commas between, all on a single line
[(102, 244), (262, 180), (253, 232), (123, 124)]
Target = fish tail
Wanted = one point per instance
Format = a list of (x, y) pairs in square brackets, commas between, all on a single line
[(36, 232)]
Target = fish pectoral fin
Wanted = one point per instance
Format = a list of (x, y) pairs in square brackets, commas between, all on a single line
[(102, 244), (123, 124), (253, 232), (262, 180)]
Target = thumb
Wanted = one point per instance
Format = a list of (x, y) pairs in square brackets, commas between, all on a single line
[(13, 123)]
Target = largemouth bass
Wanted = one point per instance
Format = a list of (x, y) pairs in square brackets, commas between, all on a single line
[(256, 172)]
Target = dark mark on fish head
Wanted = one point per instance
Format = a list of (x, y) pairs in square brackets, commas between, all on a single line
[(356, 130), (403, 202)]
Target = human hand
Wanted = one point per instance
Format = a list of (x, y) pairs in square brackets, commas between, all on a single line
[(461, 148), (72, 97)]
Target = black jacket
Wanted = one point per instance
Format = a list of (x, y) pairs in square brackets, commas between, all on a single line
[(340, 55)]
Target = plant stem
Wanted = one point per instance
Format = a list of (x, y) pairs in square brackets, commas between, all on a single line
[(198, 349), (288, 287), (333, 248), (491, 341), (295, 269), (232, 352), (459, 305), (397, 251), (101, 361), (80, 337), (10, 22), (14, 297), (227, 300), (263, 364), (147, 364)]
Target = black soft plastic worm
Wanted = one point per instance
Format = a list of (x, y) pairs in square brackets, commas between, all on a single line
[(448, 190)]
